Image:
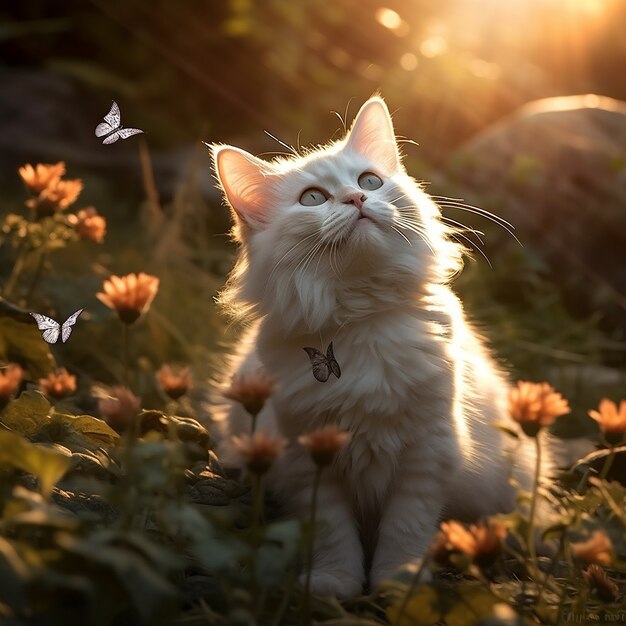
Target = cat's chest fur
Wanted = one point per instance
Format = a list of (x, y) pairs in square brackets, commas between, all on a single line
[(395, 371)]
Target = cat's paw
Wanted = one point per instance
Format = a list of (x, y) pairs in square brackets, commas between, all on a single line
[(333, 584)]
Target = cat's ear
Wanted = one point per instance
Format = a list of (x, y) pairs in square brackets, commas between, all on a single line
[(372, 135), (248, 184)]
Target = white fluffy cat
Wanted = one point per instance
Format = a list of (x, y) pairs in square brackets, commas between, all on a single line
[(342, 244)]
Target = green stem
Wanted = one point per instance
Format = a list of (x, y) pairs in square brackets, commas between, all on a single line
[(128, 468), (255, 531), (411, 590), (284, 602), (533, 505), (125, 352), (583, 482), (257, 507), (18, 266), (311, 543), (37, 275), (551, 568), (608, 463), (572, 575)]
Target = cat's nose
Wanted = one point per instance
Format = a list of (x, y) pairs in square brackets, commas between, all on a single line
[(355, 197)]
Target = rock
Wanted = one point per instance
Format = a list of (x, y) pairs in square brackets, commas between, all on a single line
[(216, 491), (89, 507), (556, 169)]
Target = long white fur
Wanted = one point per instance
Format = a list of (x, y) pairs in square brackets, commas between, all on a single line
[(419, 392)]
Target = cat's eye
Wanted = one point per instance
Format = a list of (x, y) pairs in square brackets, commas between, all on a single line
[(369, 181), (313, 197)]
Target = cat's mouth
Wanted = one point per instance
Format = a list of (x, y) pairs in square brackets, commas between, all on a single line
[(364, 217)]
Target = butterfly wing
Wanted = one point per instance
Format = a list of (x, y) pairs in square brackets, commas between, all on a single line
[(319, 363), (332, 361), (51, 329), (103, 129), (125, 133), (113, 117), (112, 138), (66, 329)]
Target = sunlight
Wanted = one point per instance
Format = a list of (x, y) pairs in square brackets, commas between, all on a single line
[(388, 18), (391, 19)]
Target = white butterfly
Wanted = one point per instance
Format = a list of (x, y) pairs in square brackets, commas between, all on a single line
[(52, 329), (112, 127)]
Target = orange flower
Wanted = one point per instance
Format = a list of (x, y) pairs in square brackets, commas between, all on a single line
[(88, 224), (597, 549), (251, 390), (120, 408), (597, 579), (41, 176), (482, 542), (323, 444), (535, 405), (259, 450), (612, 421), (129, 295), (174, 384), (58, 384), (10, 378), (56, 197)]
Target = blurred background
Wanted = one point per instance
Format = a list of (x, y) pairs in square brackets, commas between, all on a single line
[(517, 108)]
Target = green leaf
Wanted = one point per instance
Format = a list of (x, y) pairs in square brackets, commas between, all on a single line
[(421, 609), (131, 562), (21, 341), (14, 574), (26, 414), (278, 551), (475, 603), (94, 429), (216, 551), (47, 464)]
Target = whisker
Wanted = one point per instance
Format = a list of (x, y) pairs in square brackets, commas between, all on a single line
[(274, 153), (475, 232), (456, 203), (334, 248), (310, 253), (298, 243), (477, 209), (321, 255), (402, 195), (453, 203), (402, 235), (291, 149), (314, 252), (413, 227), (473, 244), (471, 206)]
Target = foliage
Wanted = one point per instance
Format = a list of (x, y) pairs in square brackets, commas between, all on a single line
[(270, 61), (142, 526)]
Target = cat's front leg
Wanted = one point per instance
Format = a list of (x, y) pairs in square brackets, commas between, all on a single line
[(413, 508), (338, 567)]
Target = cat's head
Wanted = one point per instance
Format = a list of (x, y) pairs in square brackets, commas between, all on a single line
[(341, 228)]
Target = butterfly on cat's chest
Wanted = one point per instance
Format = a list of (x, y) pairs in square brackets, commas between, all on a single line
[(323, 365)]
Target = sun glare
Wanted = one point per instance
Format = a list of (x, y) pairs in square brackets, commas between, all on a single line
[(388, 18)]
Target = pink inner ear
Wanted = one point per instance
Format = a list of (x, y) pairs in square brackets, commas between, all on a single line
[(372, 136), (248, 183)]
